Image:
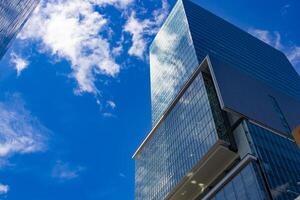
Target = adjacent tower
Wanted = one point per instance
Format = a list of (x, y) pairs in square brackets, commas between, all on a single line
[(224, 105), (13, 15)]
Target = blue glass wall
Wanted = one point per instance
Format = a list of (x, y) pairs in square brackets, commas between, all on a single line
[(172, 61), (246, 185), (180, 141), (280, 160), (13, 15), (215, 37), (190, 33), (187, 131)]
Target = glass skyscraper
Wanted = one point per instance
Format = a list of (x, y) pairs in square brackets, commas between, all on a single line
[(13, 15), (224, 105)]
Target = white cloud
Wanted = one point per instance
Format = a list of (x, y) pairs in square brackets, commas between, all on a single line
[(117, 50), (64, 171), (137, 28), (19, 63), (71, 30), (161, 14), (122, 175), (285, 8), (108, 115), (3, 189), (294, 55), (117, 3), (273, 38), (140, 29), (75, 30), (20, 132), (5, 163), (111, 104)]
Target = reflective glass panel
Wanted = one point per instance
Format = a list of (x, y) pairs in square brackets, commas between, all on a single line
[(280, 160), (246, 185), (177, 144), (13, 15), (172, 61)]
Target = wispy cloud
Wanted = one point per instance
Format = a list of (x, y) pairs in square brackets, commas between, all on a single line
[(137, 28), (118, 3), (108, 115), (269, 37), (65, 171), (294, 55), (122, 175), (71, 31), (20, 132), (19, 63), (79, 32), (74, 30), (273, 38), (111, 104), (140, 29), (110, 109), (3, 189), (284, 9)]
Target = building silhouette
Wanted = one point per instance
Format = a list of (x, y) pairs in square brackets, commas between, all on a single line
[(13, 15), (224, 105)]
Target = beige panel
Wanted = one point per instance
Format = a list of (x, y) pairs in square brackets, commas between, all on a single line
[(296, 134)]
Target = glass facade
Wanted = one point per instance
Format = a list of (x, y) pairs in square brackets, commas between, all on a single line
[(180, 141), (172, 61), (190, 34), (280, 114), (280, 160), (216, 37), (13, 15), (246, 185), (188, 120)]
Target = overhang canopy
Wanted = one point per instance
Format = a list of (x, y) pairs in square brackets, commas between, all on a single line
[(205, 173)]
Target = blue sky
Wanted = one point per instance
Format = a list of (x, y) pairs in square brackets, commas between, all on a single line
[(75, 91)]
